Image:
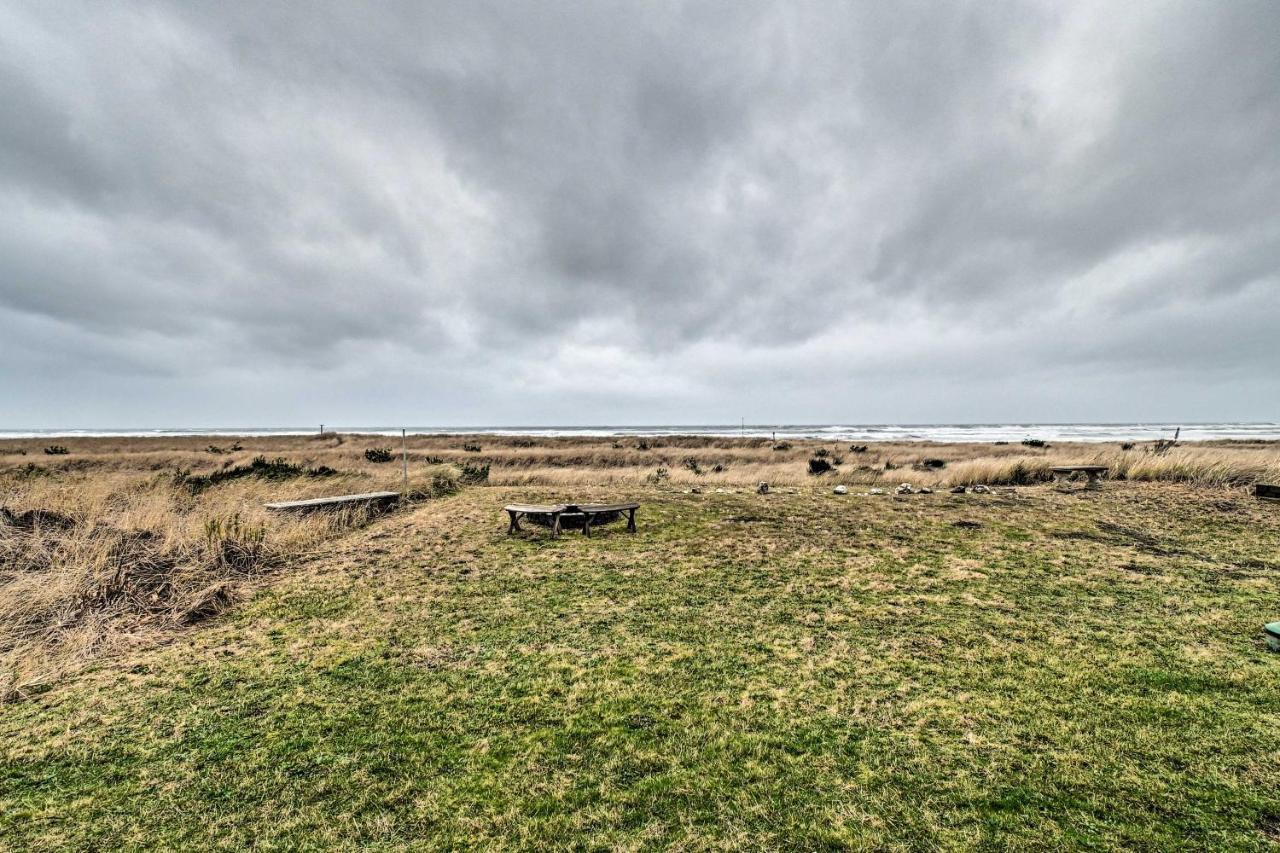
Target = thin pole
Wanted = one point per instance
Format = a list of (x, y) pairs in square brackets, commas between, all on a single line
[(404, 461), (322, 429)]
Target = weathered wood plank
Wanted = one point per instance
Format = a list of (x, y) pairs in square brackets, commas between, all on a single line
[(336, 500), (540, 509), (1269, 491)]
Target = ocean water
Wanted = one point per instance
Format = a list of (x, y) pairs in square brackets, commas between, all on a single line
[(834, 432)]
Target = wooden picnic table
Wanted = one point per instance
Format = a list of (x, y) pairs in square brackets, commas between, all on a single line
[(558, 512), (1094, 472)]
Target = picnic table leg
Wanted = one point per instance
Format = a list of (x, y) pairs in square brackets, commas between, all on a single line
[(631, 521), (586, 523), (1095, 481), (555, 524), (515, 522)]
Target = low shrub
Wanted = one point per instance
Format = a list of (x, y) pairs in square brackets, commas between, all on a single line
[(1034, 442), (217, 451), (933, 463), (658, 476), (692, 464), (56, 450), (378, 454), (474, 474), (261, 467), (782, 445), (472, 448), (818, 465)]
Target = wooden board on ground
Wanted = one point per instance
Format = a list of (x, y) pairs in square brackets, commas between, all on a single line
[(1269, 491), (335, 501)]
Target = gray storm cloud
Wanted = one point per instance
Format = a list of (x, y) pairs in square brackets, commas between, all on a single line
[(218, 214)]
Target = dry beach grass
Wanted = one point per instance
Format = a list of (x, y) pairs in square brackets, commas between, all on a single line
[(1027, 668)]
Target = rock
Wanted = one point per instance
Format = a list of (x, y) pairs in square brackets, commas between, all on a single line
[(905, 489), (980, 489), (695, 491), (762, 489), (925, 490), (841, 490), (957, 490), (876, 492)]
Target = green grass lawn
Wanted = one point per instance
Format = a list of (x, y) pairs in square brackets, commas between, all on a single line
[(789, 670)]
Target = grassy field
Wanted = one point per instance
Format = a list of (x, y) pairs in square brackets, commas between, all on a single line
[(1027, 668)]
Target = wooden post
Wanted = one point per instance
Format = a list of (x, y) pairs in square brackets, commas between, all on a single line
[(404, 461)]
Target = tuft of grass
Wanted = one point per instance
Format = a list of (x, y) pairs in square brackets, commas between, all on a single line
[(378, 455)]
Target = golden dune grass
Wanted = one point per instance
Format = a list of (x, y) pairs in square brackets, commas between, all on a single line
[(94, 558)]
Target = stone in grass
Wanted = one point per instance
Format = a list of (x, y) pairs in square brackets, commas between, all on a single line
[(905, 489), (841, 490), (1272, 632), (925, 490), (876, 492), (957, 490), (763, 488), (981, 489)]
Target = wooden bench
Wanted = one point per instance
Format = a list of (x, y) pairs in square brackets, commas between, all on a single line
[(371, 498), (1094, 472), (558, 512)]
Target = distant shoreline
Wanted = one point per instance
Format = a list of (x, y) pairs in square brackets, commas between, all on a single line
[(942, 433)]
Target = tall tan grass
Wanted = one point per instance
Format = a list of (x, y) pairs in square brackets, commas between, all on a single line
[(91, 560)]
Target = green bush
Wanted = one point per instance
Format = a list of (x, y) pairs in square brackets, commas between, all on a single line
[(378, 454), (818, 465), (474, 474), (262, 468)]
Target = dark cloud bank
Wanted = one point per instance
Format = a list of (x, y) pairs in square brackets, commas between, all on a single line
[(254, 214)]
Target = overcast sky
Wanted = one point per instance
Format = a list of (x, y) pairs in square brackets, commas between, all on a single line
[(258, 214)]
